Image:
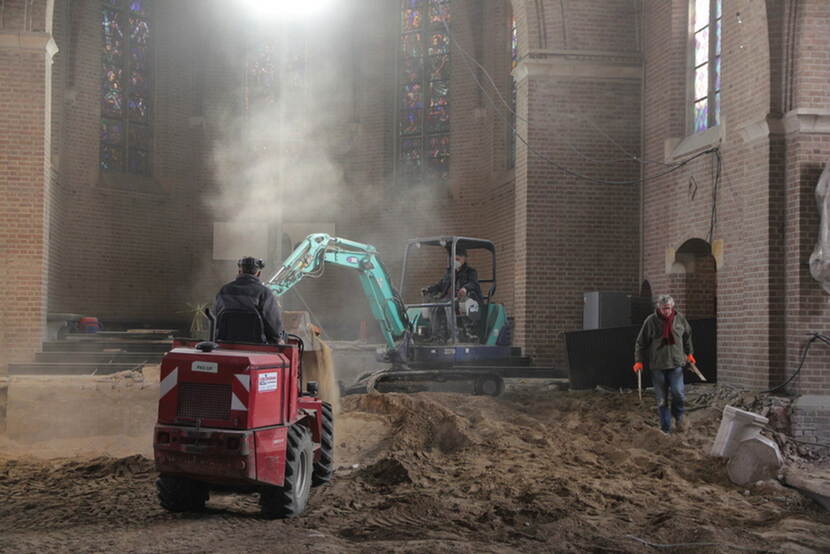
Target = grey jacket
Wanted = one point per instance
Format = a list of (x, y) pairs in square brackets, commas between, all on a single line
[(652, 348), (247, 293)]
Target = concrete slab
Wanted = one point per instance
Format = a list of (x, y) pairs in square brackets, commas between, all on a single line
[(815, 484), (812, 402)]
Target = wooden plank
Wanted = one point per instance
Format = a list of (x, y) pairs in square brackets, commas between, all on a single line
[(69, 369), (106, 345), (98, 357), (120, 335)]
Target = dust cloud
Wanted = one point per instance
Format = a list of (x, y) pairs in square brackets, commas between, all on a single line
[(291, 144)]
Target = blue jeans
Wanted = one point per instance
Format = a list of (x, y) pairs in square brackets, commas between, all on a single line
[(665, 380)]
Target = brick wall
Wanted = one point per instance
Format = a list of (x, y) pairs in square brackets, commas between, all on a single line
[(679, 206), (25, 64), (808, 151), (583, 112), (124, 244), (774, 62), (141, 248), (810, 422)]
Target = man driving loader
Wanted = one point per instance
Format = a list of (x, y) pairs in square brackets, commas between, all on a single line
[(246, 310), (468, 292)]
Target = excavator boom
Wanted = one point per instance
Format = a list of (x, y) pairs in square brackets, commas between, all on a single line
[(309, 259)]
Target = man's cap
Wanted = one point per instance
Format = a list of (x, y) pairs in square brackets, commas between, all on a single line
[(249, 264)]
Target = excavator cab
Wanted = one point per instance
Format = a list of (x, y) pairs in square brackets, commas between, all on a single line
[(491, 328)]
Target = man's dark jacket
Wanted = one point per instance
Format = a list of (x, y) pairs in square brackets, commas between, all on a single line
[(465, 278), (247, 293), (651, 347)]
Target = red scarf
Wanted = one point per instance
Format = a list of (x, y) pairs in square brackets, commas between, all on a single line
[(668, 322)]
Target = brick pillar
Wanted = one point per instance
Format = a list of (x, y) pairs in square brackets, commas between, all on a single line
[(26, 50), (574, 235)]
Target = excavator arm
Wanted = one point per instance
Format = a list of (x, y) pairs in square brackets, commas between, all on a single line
[(309, 259)]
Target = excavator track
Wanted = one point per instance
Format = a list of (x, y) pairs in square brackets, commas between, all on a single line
[(483, 380)]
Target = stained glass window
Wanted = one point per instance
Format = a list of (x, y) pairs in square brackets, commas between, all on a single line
[(424, 100), (705, 64), (261, 72), (514, 61), (126, 132)]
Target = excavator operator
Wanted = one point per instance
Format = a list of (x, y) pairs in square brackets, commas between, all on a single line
[(468, 293), (246, 295)]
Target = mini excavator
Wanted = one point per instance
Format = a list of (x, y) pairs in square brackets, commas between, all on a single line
[(418, 359)]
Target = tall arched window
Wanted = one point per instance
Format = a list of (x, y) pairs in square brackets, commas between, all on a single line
[(705, 64), (514, 61), (126, 131), (424, 103), (261, 68)]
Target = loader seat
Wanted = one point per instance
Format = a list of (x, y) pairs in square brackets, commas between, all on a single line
[(485, 323), (495, 321), (240, 326)]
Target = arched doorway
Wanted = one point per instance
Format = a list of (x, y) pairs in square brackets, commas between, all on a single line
[(694, 280)]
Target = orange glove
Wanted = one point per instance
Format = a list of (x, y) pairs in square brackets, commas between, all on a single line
[(638, 367), (691, 359)]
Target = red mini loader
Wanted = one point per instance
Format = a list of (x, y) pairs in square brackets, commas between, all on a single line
[(233, 417)]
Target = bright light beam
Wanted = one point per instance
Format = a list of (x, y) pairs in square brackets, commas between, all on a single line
[(286, 9)]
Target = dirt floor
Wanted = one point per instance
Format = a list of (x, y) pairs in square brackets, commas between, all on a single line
[(536, 470)]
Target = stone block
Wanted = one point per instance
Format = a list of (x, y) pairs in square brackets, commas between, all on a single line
[(755, 459), (815, 484)]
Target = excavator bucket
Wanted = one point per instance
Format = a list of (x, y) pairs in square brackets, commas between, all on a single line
[(299, 323), (318, 364)]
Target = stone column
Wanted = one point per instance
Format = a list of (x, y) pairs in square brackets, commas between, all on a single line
[(579, 111), (26, 50)]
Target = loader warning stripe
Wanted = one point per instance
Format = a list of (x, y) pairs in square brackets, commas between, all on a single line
[(168, 382), (245, 380), (237, 405), (241, 389)]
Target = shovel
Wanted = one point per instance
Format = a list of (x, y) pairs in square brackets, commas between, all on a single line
[(696, 371), (640, 385)]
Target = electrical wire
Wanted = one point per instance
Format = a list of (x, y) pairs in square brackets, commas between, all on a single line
[(806, 348), (510, 109), (715, 186), (694, 545), (571, 172)]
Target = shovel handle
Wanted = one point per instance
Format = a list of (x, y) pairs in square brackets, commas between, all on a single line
[(696, 371), (640, 384)]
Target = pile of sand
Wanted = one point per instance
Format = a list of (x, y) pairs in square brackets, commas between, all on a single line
[(530, 471)]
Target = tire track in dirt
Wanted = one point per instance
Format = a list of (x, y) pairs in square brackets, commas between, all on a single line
[(530, 471)]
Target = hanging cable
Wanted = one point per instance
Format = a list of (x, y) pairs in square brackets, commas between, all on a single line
[(512, 112), (806, 348), (559, 166), (715, 186)]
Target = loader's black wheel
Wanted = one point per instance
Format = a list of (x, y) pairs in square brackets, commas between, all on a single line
[(490, 385), (324, 467), (290, 499), (178, 494)]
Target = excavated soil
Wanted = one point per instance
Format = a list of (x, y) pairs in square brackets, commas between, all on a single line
[(531, 471)]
